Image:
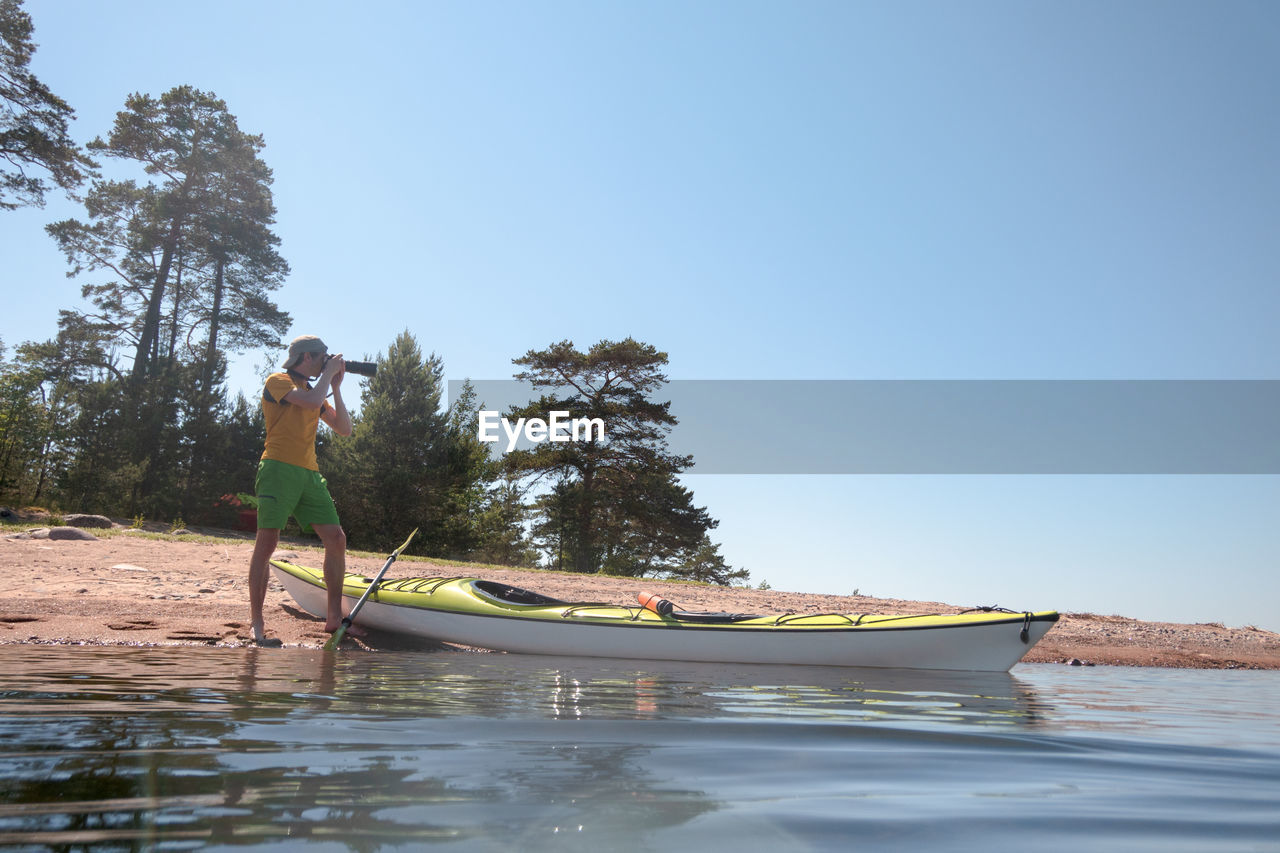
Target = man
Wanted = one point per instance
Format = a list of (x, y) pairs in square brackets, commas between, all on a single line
[(289, 481)]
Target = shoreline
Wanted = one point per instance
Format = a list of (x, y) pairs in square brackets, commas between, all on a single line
[(131, 590)]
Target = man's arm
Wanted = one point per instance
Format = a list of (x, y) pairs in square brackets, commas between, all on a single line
[(310, 398), (336, 416)]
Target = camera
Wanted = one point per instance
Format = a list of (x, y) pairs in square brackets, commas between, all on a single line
[(360, 368)]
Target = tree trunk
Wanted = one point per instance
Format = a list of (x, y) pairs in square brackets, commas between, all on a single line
[(211, 349), (584, 554), (177, 311), (151, 324)]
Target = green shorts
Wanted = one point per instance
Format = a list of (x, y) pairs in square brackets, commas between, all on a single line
[(285, 490)]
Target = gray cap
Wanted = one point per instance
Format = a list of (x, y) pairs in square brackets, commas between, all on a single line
[(302, 345)]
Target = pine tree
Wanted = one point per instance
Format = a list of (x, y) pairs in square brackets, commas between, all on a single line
[(192, 252), (614, 504), (34, 122)]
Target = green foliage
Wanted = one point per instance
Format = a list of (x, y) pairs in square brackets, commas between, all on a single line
[(39, 398), (219, 444), (34, 122), (23, 419), (705, 564), (80, 433), (499, 522), (648, 524), (555, 528)]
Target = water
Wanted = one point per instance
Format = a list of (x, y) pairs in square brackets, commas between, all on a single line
[(114, 748)]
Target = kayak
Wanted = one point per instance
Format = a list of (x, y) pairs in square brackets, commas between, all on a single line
[(491, 615)]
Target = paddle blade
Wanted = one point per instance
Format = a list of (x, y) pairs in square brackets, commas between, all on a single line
[(336, 637), (396, 553)]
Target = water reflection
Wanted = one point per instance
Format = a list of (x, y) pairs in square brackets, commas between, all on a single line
[(586, 689), (135, 747)]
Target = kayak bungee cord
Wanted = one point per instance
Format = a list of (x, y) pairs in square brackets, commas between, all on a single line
[(427, 586), (669, 610), (1024, 634)]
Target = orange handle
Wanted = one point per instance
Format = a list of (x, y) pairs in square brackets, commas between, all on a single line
[(658, 605)]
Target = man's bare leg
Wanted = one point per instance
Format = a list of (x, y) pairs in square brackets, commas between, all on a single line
[(263, 547), (335, 568)]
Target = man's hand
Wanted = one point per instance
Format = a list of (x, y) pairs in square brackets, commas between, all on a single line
[(337, 417), (335, 369)]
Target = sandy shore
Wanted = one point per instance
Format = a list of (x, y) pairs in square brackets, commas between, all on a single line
[(127, 589)]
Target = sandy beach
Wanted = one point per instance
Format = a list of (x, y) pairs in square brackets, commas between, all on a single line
[(126, 588)]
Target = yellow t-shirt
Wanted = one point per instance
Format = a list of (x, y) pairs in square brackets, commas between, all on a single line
[(291, 430)]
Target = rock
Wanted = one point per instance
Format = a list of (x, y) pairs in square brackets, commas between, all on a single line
[(33, 533), (84, 520), (71, 533)]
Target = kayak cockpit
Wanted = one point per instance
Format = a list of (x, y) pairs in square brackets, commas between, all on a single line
[(507, 594)]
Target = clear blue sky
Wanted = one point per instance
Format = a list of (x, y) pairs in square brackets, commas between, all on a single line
[(800, 190)]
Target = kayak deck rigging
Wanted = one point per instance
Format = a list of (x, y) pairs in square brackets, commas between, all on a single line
[(506, 594)]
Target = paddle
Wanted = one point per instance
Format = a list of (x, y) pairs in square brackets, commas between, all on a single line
[(346, 622)]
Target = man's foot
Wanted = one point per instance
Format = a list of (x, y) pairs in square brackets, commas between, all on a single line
[(260, 638)]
